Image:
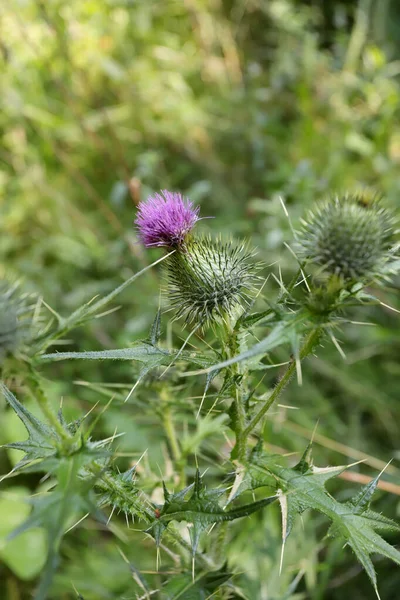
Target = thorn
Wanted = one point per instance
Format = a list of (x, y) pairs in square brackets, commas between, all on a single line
[(213, 406), (141, 456), (299, 371), (58, 317), (281, 559), (180, 350), (394, 310), (301, 270), (361, 323), (384, 468), (123, 555), (107, 312), (9, 473), (88, 412), (284, 512), (77, 523), (280, 275), (132, 390), (114, 434), (283, 206), (45, 478), (211, 528), (314, 431), (228, 441), (236, 484), (75, 590), (337, 345), (111, 514), (201, 403), (265, 281), (280, 283), (292, 229)]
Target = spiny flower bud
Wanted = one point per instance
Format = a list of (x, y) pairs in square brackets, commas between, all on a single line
[(8, 323), (17, 322), (350, 237), (209, 279), (165, 219), (15, 318)]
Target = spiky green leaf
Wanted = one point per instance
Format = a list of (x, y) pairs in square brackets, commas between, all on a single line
[(42, 439)]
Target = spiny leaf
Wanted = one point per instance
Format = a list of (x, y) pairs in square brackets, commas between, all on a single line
[(42, 439), (201, 510), (363, 499), (142, 352), (304, 488), (155, 331), (121, 492)]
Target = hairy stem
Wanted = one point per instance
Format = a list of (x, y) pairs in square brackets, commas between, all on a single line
[(310, 342), (171, 434), (240, 420), (170, 431)]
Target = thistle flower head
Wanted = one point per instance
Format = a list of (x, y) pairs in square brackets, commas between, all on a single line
[(350, 237), (209, 279), (166, 219)]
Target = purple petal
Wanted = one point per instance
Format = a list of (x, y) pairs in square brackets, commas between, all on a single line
[(165, 219)]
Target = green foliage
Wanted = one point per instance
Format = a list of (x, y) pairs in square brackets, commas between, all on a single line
[(25, 554), (257, 111), (42, 439), (185, 588), (201, 510), (303, 487)]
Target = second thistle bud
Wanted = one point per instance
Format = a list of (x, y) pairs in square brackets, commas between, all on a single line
[(209, 279), (14, 318), (350, 237)]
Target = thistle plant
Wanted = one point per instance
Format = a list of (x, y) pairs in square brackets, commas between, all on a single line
[(213, 289)]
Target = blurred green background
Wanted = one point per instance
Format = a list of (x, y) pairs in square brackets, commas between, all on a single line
[(236, 103)]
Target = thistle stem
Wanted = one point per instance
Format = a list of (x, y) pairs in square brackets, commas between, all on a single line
[(171, 434), (310, 342), (231, 338), (172, 438)]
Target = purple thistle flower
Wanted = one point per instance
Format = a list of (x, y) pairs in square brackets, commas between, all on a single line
[(165, 219)]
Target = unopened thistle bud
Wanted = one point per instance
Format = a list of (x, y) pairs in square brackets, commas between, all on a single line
[(209, 279), (350, 237), (13, 317), (165, 219)]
